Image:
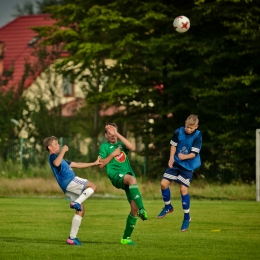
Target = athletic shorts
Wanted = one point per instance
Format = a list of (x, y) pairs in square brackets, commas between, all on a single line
[(117, 182), (178, 174), (75, 188)]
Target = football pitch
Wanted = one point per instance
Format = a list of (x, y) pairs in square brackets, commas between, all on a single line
[(37, 228)]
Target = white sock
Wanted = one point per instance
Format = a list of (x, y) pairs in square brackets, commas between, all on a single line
[(85, 195), (76, 221)]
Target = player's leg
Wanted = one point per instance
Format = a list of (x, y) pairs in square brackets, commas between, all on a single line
[(131, 182), (166, 195), (169, 176), (84, 188), (76, 222), (130, 222), (184, 179)]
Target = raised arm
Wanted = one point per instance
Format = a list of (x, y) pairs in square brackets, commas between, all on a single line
[(58, 160), (113, 131)]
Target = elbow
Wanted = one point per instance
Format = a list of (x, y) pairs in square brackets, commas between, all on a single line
[(130, 148), (56, 164)]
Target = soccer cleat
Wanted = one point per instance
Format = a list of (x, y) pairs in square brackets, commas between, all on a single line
[(76, 206), (142, 214), (185, 224), (165, 211), (73, 242), (127, 241)]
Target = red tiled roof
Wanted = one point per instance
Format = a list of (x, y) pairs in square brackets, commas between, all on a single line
[(16, 35)]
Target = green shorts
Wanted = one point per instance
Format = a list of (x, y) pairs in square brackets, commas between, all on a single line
[(117, 182)]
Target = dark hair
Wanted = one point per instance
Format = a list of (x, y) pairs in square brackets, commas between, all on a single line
[(113, 124)]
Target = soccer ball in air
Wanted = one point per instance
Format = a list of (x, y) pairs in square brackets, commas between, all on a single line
[(181, 24)]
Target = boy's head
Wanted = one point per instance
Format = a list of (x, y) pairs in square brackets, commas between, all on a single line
[(113, 124), (110, 138), (191, 124), (47, 143)]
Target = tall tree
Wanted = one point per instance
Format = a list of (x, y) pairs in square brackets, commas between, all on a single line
[(161, 76)]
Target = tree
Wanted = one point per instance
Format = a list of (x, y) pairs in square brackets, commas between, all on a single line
[(161, 76)]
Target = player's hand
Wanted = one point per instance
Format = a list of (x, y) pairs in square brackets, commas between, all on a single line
[(65, 148), (116, 152), (97, 162), (170, 162), (182, 156), (111, 129)]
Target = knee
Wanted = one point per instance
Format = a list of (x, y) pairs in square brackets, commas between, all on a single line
[(94, 187), (164, 184), (129, 180), (183, 190)]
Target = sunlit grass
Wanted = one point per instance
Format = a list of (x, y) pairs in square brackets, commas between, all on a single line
[(37, 228)]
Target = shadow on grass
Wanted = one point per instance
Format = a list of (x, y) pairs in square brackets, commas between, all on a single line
[(46, 241)]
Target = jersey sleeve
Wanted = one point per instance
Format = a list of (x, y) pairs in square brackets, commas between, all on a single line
[(53, 156), (102, 152), (174, 140), (197, 143)]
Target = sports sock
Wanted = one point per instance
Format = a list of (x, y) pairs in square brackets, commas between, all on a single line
[(130, 225), (84, 195), (136, 195), (186, 206), (76, 221), (166, 194)]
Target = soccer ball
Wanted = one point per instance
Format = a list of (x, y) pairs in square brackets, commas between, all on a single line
[(181, 24)]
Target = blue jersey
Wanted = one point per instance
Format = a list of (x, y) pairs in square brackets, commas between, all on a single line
[(186, 144), (63, 173)]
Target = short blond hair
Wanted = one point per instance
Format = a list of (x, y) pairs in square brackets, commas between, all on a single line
[(192, 120), (47, 141)]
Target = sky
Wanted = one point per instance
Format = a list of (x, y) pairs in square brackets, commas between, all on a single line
[(7, 9)]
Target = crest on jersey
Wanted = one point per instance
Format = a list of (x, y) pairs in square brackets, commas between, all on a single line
[(121, 157)]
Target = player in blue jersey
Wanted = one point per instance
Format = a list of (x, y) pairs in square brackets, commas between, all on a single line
[(74, 187), (184, 158)]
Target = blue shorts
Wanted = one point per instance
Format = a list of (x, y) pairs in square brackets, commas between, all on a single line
[(178, 174)]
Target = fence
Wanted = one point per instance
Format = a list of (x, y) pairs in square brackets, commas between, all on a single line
[(31, 152)]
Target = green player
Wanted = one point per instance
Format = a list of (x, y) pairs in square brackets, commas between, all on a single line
[(114, 156)]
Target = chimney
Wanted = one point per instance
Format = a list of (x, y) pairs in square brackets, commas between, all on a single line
[(2, 49)]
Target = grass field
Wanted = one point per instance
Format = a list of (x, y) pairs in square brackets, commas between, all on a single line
[(37, 228)]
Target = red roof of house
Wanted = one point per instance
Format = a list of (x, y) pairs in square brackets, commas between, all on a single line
[(16, 35)]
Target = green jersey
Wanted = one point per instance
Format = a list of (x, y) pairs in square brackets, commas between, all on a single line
[(120, 163)]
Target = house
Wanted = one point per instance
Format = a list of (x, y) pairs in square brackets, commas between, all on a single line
[(17, 48)]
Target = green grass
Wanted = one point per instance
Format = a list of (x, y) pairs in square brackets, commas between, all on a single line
[(36, 228)]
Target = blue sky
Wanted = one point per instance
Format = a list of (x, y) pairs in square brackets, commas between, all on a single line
[(7, 8)]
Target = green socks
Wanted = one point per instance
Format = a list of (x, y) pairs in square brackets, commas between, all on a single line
[(130, 225), (136, 195)]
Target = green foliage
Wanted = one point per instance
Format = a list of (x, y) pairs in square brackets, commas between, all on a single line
[(212, 70)]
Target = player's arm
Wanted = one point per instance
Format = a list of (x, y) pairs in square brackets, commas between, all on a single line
[(105, 161), (113, 131), (195, 149), (187, 156), (84, 165), (58, 160), (173, 143), (172, 153)]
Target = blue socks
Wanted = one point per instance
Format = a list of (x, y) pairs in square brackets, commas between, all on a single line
[(186, 206), (166, 194)]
